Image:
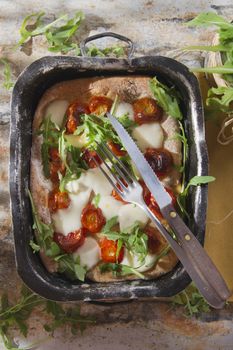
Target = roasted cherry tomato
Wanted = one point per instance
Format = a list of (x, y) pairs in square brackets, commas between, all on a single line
[(73, 113), (92, 218), (58, 200), (56, 167), (108, 251), (71, 242), (116, 149), (160, 161), (54, 154), (154, 240), (154, 205), (146, 193), (88, 158), (146, 110), (116, 195), (100, 105)]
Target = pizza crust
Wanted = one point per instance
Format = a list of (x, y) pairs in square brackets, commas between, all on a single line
[(128, 88)]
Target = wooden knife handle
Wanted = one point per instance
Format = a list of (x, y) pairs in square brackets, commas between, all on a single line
[(194, 250), (190, 265)]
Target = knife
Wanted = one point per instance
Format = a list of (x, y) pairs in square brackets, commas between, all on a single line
[(184, 237)]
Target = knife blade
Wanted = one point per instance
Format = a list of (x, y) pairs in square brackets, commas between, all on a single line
[(153, 183)]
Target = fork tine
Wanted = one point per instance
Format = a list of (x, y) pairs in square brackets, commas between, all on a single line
[(117, 178), (119, 166), (121, 193)]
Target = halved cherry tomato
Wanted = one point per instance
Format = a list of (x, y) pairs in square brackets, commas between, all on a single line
[(160, 161), (154, 205), (146, 110), (116, 149), (73, 113), (108, 251), (154, 242), (88, 156), (71, 242), (100, 105), (92, 218), (58, 200)]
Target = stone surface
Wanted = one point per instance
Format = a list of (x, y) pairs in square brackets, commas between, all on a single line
[(156, 27)]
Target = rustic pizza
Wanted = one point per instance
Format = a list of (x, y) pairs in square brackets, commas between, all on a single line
[(83, 228)]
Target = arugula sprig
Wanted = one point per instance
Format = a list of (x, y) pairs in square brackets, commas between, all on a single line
[(51, 134), (133, 238), (120, 270), (192, 300), (115, 51), (7, 73), (225, 33), (194, 181), (70, 317), (166, 97), (71, 267), (58, 37), (17, 315), (45, 234)]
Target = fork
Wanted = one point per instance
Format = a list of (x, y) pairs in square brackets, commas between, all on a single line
[(131, 191)]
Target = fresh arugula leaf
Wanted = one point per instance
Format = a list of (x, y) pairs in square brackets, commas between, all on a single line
[(133, 238), (127, 123), (51, 135), (166, 98), (98, 129), (220, 98), (225, 34), (120, 269), (109, 224), (224, 69), (209, 18), (192, 300), (71, 267), (96, 200), (195, 181), (45, 234), (58, 37), (16, 316), (35, 247), (70, 317), (7, 83), (116, 51)]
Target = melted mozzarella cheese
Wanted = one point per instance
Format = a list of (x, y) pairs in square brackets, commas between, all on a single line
[(148, 135), (129, 214), (68, 220), (89, 253), (109, 206), (78, 141), (124, 108), (95, 180), (56, 110), (132, 260), (75, 186)]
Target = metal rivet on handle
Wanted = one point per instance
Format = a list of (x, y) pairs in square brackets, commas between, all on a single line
[(172, 214), (187, 237)]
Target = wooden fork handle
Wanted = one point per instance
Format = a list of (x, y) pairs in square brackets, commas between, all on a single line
[(195, 270), (195, 251)]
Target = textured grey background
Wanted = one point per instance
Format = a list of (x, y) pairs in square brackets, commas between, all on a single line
[(156, 27)]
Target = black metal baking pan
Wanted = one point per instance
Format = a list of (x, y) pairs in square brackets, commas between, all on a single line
[(29, 88)]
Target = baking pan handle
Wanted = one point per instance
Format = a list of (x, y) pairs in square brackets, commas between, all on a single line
[(131, 46)]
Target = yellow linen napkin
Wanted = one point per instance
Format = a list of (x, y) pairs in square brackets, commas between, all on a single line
[(219, 223)]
